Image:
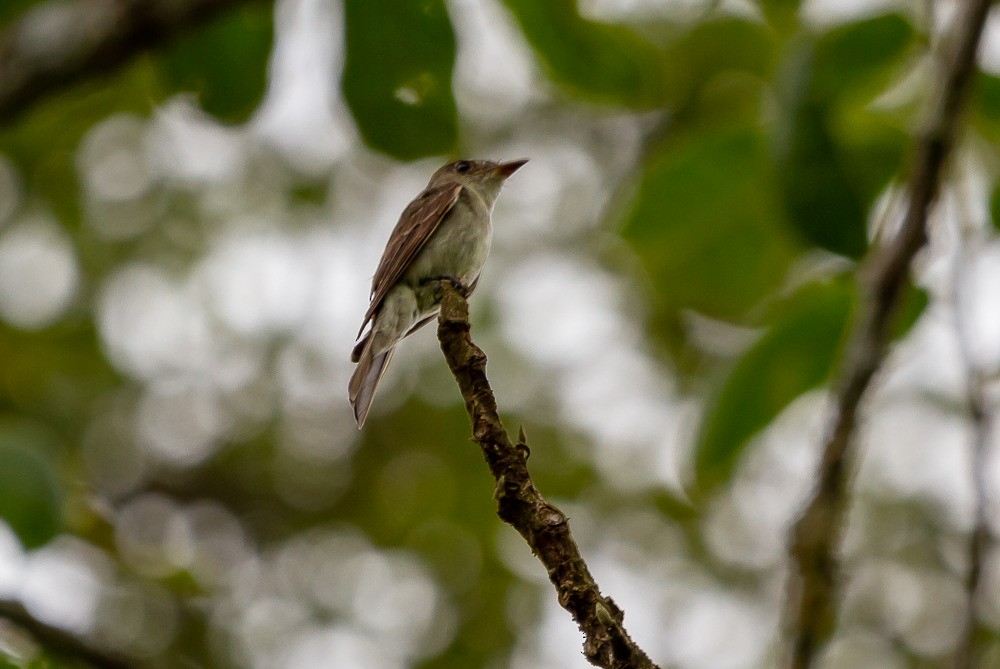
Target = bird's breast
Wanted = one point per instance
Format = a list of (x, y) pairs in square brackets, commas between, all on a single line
[(459, 246)]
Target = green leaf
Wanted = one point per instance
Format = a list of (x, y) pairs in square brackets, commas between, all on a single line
[(11, 9), (837, 154), (795, 355), (597, 61), (798, 353), (397, 76), (995, 208), (706, 223), (985, 105), (912, 304), (225, 62), (860, 55), (43, 143), (30, 497), (715, 50), (822, 203), (780, 13), (872, 148), (59, 372)]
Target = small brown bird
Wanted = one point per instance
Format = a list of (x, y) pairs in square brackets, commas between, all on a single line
[(444, 233)]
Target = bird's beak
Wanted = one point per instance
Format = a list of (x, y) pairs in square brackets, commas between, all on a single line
[(506, 169)]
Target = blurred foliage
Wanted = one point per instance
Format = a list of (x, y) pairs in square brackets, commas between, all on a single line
[(857, 58), (796, 354), (995, 208), (30, 495), (595, 61), (836, 158), (224, 63), (763, 150), (43, 144), (782, 14), (397, 75), (704, 82), (11, 8), (985, 107), (56, 375), (713, 236)]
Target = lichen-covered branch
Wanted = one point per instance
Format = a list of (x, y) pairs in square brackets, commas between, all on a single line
[(811, 604), (57, 44), (544, 527)]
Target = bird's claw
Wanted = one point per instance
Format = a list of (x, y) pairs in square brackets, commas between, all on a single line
[(455, 282)]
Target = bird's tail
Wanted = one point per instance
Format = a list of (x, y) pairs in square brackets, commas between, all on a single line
[(366, 378)]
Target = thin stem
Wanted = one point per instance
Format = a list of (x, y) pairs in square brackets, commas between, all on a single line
[(811, 606), (969, 649)]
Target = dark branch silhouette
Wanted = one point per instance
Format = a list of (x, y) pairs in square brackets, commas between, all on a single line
[(811, 606), (544, 527), (57, 44)]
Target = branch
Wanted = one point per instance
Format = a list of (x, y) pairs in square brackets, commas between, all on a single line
[(974, 632), (59, 640), (816, 536), (55, 45), (519, 504)]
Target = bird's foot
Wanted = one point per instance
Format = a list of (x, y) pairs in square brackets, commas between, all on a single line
[(455, 282)]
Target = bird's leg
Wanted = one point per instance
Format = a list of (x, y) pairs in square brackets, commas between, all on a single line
[(455, 282)]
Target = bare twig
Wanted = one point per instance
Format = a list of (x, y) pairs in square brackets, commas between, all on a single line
[(57, 44), (970, 648), (544, 527), (811, 607), (59, 640)]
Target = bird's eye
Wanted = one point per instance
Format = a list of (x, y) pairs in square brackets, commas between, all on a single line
[(462, 167)]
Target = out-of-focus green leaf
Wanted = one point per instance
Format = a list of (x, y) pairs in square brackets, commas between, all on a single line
[(837, 155), (872, 149), (860, 54), (834, 166), (795, 355), (706, 223), (822, 202), (43, 143), (397, 75), (225, 62), (59, 372), (780, 13), (10, 9), (984, 105), (605, 63), (912, 304), (995, 208), (30, 497), (699, 58)]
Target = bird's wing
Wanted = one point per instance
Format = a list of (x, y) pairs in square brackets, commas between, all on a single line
[(416, 225)]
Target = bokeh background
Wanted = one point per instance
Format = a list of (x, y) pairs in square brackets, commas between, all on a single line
[(186, 248)]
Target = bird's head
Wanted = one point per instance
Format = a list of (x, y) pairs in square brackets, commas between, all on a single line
[(485, 177)]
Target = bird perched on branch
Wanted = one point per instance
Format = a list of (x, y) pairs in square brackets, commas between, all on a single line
[(443, 234)]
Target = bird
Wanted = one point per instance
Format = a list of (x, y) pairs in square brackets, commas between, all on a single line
[(444, 233)]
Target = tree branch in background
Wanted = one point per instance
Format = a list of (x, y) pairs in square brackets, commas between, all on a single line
[(968, 655), (59, 640), (544, 527), (811, 606), (57, 44)]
